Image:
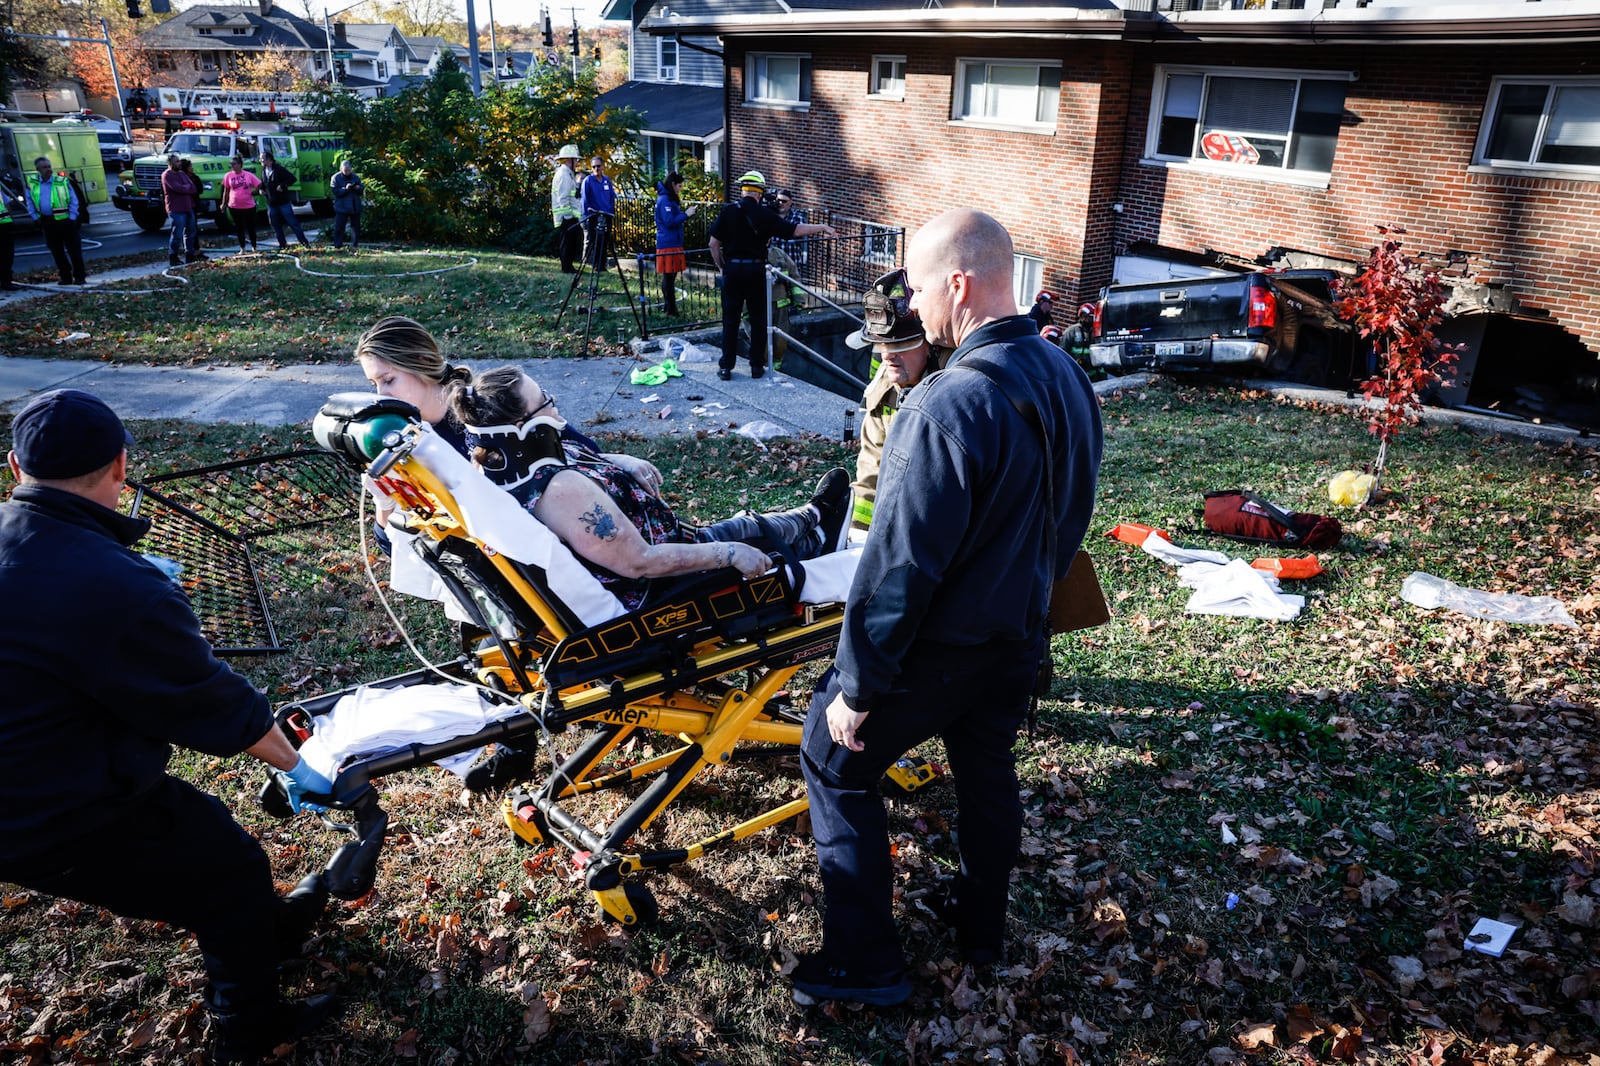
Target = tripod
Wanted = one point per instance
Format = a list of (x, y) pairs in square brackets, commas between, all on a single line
[(596, 252)]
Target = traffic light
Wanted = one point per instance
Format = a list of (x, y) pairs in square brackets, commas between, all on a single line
[(549, 32), (133, 10), (338, 68), (574, 40), (597, 55)]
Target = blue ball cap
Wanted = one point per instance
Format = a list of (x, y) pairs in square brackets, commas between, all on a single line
[(66, 433)]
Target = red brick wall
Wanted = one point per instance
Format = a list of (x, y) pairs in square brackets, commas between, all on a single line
[(1413, 117), (1412, 120)]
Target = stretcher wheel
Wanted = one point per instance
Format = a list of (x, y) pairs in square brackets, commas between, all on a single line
[(629, 904), (524, 833), (910, 774)]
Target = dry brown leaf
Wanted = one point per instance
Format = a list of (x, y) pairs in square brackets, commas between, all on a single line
[(1263, 1035)]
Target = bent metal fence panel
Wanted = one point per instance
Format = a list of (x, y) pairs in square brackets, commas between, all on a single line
[(220, 524)]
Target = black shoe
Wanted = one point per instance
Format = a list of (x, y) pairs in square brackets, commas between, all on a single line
[(815, 981), (506, 766), (724, 373), (250, 1035), (979, 956), (301, 909), (757, 371), (174, 260), (6, 286), (832, 501)]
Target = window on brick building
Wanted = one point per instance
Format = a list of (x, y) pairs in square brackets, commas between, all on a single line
[(1027, 278), (888, 77), (1007, 92), (778, 78), (1549, 123), (1264, 120)]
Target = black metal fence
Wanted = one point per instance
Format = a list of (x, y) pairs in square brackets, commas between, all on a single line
[(830, 271)]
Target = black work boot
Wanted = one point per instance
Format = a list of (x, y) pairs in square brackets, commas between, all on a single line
[(249, 1035), (832, 501), (299, 913)]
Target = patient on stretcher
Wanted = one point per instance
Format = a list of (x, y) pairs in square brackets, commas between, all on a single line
[(617, 525)]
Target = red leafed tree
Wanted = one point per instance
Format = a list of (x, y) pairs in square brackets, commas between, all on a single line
[(1396, 303), (135, 65)]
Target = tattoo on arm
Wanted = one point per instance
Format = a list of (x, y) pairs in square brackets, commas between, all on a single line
[(599, 523)]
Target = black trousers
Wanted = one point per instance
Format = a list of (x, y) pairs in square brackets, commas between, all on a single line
[(8, 251), (66, 246), (744, 285), (570, 242), (244, 219), (176, 855)]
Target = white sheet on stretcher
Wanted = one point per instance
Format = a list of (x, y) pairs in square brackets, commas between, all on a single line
[(376, 721)]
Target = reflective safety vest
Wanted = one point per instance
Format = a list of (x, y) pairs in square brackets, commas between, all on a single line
[(5, 215), (60, 196)]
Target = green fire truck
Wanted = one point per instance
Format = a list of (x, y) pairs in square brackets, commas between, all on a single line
[(312, 156), (73, 151)]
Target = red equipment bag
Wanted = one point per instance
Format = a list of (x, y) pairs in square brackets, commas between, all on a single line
[(1243, 515)]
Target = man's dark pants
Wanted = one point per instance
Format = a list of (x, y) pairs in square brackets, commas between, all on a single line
[(282, 218), (975, 698), (341, 220), (8, 250), (571, 238), (66, 247), (744, 284), (174, 854)]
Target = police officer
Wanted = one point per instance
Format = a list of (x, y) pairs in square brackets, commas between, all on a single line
[(565, 210), (78, 745), (902, 358), (739, 248), (53, 202)]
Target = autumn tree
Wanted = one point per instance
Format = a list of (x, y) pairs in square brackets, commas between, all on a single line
[(272, 69), (1396, 304), (135, 63)]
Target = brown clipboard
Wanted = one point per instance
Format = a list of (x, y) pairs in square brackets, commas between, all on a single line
[(1077, 601)]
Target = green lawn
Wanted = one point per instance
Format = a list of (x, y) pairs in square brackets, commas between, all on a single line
[(1384, 776)]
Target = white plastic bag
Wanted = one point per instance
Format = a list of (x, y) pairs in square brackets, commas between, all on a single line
[(683, 350), (1430, 593), (761, 430)]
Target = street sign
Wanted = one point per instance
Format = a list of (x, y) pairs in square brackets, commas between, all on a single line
[(344, 55)]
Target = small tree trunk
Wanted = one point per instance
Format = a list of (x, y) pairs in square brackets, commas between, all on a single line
[(1377, 470)]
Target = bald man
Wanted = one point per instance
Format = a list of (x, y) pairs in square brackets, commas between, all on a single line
[(944, 629)]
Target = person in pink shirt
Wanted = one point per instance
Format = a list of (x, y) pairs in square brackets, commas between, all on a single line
[(239, 197)]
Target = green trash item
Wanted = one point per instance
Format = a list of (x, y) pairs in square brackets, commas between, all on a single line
[(655, 375)]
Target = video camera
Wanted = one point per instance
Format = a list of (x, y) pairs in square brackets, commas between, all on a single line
[(769, 200)]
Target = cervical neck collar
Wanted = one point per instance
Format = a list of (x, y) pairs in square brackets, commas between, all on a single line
[(511, 454)]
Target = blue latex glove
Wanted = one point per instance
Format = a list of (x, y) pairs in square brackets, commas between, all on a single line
[(302, 779)]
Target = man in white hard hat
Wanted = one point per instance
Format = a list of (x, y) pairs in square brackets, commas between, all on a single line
[(739, 248), (564, 207)]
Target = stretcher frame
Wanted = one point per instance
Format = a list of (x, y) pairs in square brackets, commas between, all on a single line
[(663, 668)]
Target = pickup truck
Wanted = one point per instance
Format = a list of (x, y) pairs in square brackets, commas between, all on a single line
[(1266, 322)]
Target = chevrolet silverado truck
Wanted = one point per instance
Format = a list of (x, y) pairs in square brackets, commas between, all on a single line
[(1277, 323)]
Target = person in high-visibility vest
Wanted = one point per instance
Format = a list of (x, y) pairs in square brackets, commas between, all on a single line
[(55, 204), (8, 243), (564, 206)]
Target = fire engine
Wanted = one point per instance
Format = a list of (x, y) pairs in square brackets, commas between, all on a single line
[(311, 155)]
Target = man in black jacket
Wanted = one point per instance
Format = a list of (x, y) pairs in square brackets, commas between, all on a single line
[(77, 744), (278, 183), (739, 248)]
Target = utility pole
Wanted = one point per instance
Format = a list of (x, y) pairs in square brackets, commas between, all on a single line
[(494, 52), (472, 49), (63, 39)]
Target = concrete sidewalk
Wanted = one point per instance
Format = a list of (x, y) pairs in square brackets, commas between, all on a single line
[(593, 393)]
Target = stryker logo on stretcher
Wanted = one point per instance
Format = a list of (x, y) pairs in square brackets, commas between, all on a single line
[(626, 716)]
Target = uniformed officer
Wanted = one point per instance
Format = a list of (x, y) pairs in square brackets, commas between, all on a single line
[(8, 243), (54, 203), (739, 248), (902, 358)]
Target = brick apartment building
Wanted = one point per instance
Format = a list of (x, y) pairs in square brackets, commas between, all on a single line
[(1123, 145)]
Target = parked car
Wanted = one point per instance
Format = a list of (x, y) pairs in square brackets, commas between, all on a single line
[(1280, 323)]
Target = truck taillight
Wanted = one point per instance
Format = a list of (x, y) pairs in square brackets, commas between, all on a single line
[(1263, 306), (1099, 313)]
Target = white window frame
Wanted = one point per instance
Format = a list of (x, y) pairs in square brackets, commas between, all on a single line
[(754, 69), (667, 71), (1315, 178), (382, 70), (1027, 278), (1481, 163), (966, 64), (875, 87)]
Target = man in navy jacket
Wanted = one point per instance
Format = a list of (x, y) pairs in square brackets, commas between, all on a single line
[(945, 623), (103, 668)]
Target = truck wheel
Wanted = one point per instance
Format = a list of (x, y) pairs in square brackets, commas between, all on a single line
[(149, 219), (322, 208)]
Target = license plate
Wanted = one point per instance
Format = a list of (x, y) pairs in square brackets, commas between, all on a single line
[(1169, 348)]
